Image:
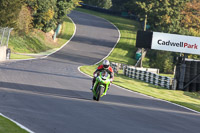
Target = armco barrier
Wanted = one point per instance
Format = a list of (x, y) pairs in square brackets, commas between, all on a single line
[(148, 77)]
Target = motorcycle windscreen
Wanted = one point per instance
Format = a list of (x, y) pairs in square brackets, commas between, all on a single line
[(104, 75)]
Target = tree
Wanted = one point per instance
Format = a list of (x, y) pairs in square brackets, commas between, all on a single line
[(131, 6), (64, 7), (162, 60), (48, 13), (43, 12), (163, 15), (9, 10), (25, 18), (119, 5), (99, 3), (191, 18)]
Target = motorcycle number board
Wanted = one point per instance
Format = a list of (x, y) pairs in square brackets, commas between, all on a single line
[(175, 43)]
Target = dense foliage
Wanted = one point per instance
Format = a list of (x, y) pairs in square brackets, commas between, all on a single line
[(191, 17), (24, 21), (99, 3), (48, 13), (9, 10), (41, 14)]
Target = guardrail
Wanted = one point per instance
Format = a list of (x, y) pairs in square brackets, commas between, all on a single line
[(148, 75)]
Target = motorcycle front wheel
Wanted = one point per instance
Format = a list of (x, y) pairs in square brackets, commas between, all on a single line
[(98, 92)]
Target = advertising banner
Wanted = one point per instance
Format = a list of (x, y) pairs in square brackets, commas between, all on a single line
[(175, 43)]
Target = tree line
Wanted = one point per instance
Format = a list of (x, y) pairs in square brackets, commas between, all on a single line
[(169, 16), (22, 15)]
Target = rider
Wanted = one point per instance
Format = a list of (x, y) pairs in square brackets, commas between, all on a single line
[(105, 66)]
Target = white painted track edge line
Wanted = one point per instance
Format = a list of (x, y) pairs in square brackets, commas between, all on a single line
[(125, 88), (20, 125)]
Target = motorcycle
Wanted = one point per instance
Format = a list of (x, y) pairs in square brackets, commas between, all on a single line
[(101, 85)]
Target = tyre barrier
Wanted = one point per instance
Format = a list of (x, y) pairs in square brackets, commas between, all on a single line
[(148, 77)]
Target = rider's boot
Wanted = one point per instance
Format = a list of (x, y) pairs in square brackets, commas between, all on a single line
[(91, 88), (93, 81), (107, 87)]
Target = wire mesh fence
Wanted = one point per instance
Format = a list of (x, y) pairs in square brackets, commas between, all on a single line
[(4, 35)]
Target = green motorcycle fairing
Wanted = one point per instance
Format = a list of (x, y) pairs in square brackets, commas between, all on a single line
[(103, 80)]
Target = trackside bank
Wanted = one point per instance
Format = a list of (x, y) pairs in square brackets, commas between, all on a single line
[(175, 43)]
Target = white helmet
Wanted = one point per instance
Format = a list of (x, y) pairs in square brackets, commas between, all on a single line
[(106, 64)]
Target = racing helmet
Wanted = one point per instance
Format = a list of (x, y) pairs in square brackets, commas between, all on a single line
[(106, 64)]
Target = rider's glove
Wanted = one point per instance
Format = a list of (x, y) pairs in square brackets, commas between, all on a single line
[(95, 75), (111, 80)]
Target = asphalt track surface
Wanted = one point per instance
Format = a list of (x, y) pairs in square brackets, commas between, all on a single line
[(51, 96)]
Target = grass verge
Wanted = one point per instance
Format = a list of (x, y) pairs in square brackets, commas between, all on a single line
[(7, 126), (123, 53), (38, 42)]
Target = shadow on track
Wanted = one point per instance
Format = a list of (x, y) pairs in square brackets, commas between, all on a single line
[(111, 100), (44, 91), (46, 73)]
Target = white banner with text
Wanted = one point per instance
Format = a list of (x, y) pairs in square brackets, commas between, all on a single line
[(175, 43)]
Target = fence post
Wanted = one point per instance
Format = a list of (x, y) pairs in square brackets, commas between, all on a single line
[(8, 36), (3, 35), (182, 76)]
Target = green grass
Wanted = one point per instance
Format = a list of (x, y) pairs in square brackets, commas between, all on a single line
[(30, 43), (6, 126), (167, 75), (17, 56), (124, 53), (67, 32), (37, 42)]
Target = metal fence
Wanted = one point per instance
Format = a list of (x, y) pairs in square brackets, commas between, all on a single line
[(4, 36), (148, 77), (117, 66)]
